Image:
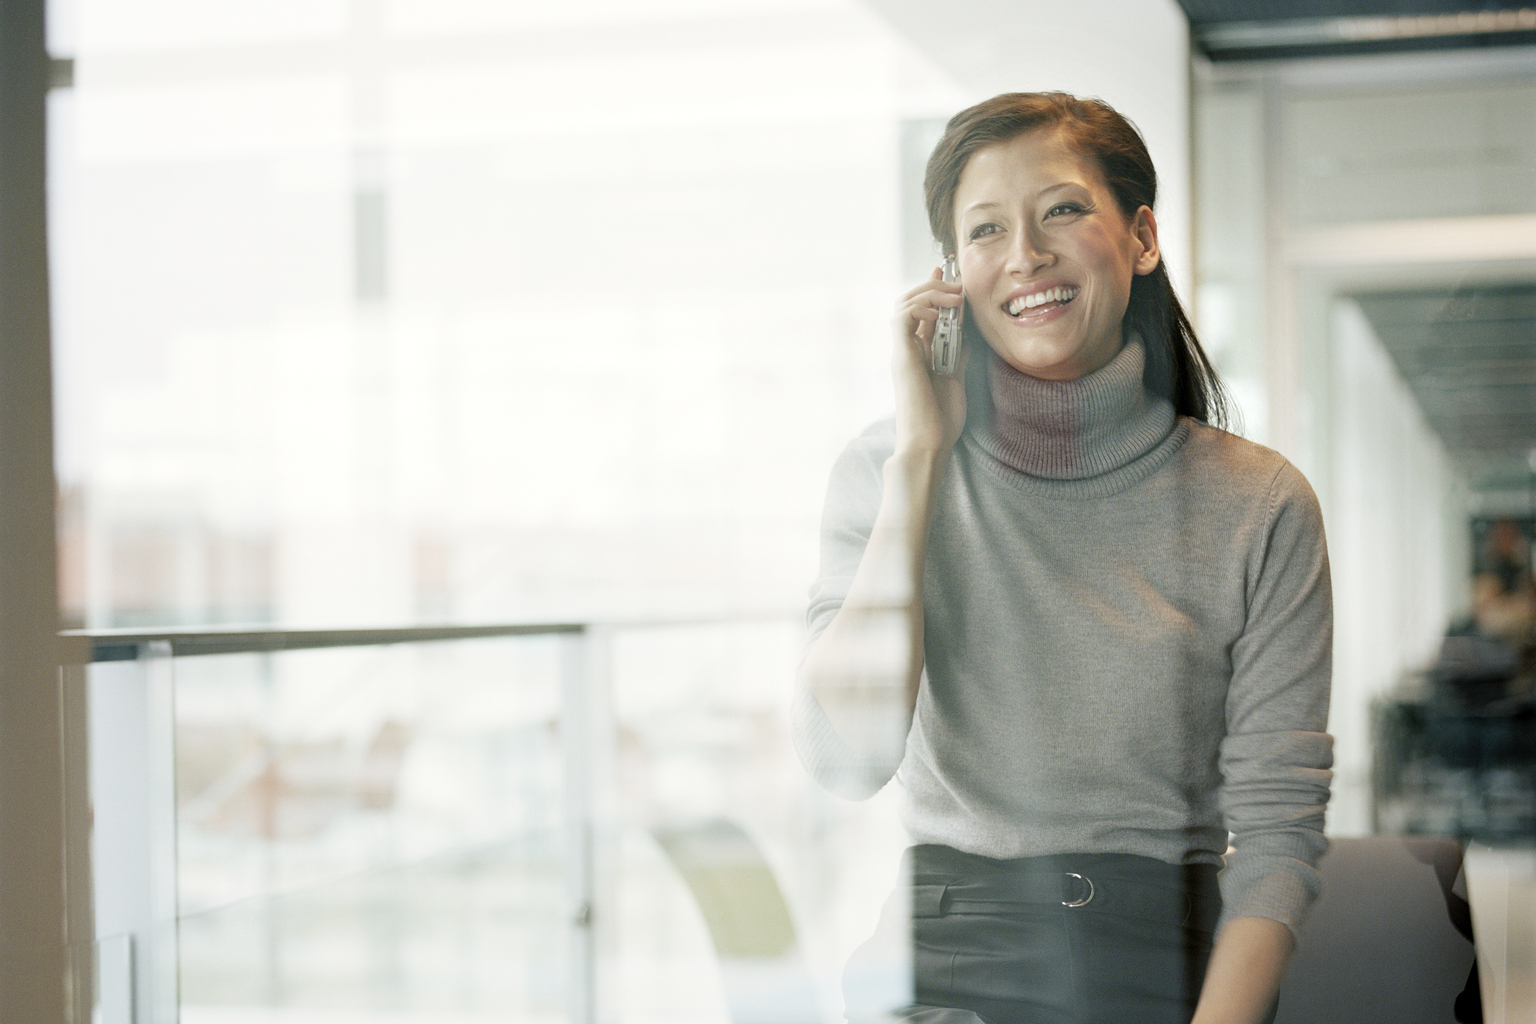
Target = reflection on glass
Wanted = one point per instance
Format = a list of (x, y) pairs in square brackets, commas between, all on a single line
[(741, 886), (397, 311), (394, 311)]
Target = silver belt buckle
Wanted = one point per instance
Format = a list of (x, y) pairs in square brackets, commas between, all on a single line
[(1086, 899)]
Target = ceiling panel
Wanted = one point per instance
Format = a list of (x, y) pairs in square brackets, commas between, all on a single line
[(1212, 11), (1469, 356), (1279, 29)]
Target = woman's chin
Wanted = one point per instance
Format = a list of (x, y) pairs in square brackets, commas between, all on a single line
[(1045, 366), (1057, 362)]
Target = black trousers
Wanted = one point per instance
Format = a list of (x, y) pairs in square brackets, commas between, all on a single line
[(1067, 939)]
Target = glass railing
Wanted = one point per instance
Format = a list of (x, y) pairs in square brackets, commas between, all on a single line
[(555, 822)]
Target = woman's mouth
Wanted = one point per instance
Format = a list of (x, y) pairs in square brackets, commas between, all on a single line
[(1040, 302)]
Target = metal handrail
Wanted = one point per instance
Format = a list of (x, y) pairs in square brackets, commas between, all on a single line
[(96, 645), (81, 646)]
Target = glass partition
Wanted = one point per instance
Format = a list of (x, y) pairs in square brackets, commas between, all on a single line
[(360, 829), (396, 312), (373, 827)]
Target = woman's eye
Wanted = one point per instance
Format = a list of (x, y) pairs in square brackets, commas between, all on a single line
[(984, 229), (1064, 208)]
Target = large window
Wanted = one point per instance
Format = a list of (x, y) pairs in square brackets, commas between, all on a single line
[(409, 311), (377, 313)]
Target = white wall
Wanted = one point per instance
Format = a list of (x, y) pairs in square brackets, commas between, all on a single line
[(1395, 569)]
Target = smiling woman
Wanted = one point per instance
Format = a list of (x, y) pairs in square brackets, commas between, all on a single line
[(1089, 630)]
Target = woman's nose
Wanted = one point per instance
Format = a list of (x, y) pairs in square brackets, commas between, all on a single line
[(1029, 252)]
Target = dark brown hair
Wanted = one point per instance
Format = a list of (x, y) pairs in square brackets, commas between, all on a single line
[(1176, 364)]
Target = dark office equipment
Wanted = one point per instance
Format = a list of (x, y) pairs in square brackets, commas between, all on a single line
[(1462, 766)]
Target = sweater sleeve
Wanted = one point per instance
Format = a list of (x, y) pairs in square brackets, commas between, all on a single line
[(853, 500), (1276, 756)]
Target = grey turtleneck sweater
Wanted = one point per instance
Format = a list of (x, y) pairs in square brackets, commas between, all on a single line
[(1127, 627)]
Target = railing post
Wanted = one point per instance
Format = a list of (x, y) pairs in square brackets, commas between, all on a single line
[(80, 905), (586, 731), (133, 785)]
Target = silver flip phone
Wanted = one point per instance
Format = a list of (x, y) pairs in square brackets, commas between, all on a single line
[(946, 333)]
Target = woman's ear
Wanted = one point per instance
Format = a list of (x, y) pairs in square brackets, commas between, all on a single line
[(1144, 229)]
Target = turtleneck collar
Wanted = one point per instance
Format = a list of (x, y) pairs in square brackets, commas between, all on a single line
[(1074, 430)]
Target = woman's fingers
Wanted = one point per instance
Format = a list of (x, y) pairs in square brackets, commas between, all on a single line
[(920, 322), (934, 282), (932, 303), (918, 310), (943, 293), (934, 285)]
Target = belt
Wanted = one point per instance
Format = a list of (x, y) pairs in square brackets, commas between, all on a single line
[(1185, 895)]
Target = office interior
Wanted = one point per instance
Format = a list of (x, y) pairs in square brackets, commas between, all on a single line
[(424, 408)]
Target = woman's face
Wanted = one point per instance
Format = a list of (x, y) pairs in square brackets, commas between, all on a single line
[(1046, 256)]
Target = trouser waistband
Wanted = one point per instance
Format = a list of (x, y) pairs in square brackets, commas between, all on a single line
[(947, 881)]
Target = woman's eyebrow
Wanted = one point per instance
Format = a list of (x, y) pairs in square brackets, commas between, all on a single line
[(992, 204), (987, 204)]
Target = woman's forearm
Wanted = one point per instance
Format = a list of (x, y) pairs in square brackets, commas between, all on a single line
[(1245, 971), (864, 668)]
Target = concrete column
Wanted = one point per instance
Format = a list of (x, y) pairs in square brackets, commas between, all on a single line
[(33, 943)]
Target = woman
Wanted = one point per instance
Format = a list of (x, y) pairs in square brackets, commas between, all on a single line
[(1091, 631)]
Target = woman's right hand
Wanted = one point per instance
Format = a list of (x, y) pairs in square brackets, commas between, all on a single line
[(930, 406)]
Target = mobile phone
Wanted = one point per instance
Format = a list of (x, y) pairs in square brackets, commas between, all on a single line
[(946, 333)]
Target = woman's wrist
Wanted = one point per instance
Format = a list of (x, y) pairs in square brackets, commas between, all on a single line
[(916, 463), (1244, 972)]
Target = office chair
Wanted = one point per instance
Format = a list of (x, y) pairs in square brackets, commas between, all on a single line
[(1387, 941), (766, 980)]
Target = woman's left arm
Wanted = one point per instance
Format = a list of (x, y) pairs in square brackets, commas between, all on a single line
[(1245, 971), (1275, 758)]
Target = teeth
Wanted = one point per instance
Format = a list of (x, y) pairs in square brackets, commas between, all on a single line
[(1023, 302)]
